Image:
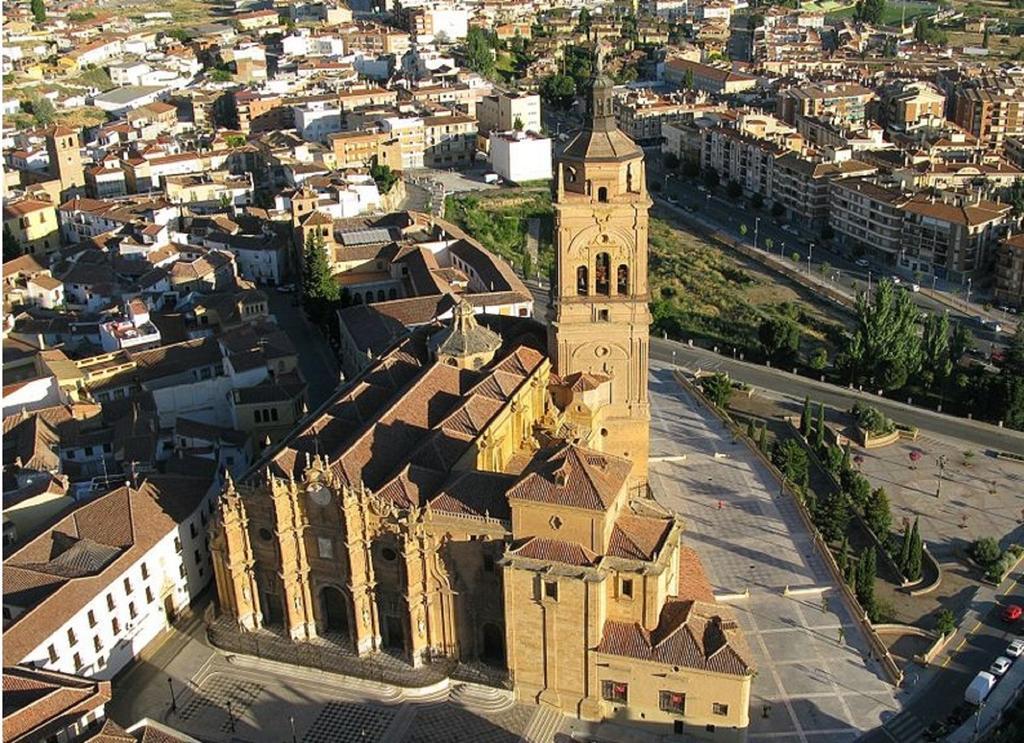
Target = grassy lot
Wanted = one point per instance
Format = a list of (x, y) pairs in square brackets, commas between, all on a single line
[(498, 219), (893, 11), (698, 291)]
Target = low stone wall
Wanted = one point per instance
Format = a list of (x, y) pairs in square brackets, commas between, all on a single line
[(927, 559), (878, 649), (940, 643), (871, 441)]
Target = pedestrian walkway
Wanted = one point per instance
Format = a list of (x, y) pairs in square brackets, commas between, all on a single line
[(816, 680)]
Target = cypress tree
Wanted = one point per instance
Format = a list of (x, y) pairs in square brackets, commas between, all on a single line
[(820, 441), (866, 580), (750, 428), (843, 559), (851, 575), (846, 465), (762, 440), (805, 418), (905, 549), (913, 569)]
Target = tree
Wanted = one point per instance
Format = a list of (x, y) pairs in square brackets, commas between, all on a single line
[(877, 513), (819, 441), (906, 545), (750, 428), (718, 389), (670, 160), (383, 176), (42, 110), (711, 178), (791, 459), (961, 341), (945, 622), (834, 517), (762, 440), (319, 289), (733, 190), (866, 571), (779, 337), (805, 418), (859, 490), (38, 11), (818, 359), (843, 560), (985, 37), (885, 346), (985, 551), (688, 79), (479, 52), (869, 11), (583, 21), (518, 124), (935, 339), (912, 568), (559, 90), (11, 247), (757, 201)]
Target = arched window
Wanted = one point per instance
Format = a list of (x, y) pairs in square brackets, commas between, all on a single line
[(622, 279), (357, 298), (392, 293), (602, 194), (582, 281), (380, 295), (602, 274)]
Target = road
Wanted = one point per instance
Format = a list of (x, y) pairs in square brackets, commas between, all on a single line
[(984, 640), (316, 358), (982, 435)]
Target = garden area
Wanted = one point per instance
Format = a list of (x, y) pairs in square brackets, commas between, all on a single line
[(498, 220)]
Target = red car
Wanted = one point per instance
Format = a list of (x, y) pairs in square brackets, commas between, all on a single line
[(1012, 613)]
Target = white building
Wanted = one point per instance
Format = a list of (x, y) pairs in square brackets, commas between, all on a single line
[(134, 332), (316, 119), (89, 594), (520, 156)]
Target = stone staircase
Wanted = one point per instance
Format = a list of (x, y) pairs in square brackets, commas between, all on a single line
[(546, 722), (482, 698)]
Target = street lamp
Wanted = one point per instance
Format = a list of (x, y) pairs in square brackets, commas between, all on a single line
[(291, 721), (869, 281), (942, 469), (968, 291), (231, 717), (757, 221), (673, 357), (810, 252), (174, 703)]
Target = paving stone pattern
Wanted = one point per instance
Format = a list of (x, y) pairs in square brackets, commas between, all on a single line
[(347, 722), (446, 722)]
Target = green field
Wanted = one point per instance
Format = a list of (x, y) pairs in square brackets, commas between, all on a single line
[(893, 11)]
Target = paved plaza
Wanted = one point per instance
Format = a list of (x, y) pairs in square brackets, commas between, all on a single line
[(981, 496), (814, 682)]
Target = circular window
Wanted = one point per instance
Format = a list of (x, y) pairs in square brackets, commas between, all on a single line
[(388, 554), (265, 534), (604, 431), (601, 351), (604, 238)]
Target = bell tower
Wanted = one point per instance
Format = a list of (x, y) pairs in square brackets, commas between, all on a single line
[(598, 323)]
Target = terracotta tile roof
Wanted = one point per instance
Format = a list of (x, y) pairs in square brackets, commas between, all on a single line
[(38, 703), (573, 475), (475, 493), (53, 576), (638, 537), (111, 732), (693, 581), (555, 550)]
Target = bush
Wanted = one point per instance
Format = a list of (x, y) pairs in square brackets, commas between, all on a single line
[(998, 569), (791, 458), (872, 420), (717, 388), (985, 551), (945, 623)]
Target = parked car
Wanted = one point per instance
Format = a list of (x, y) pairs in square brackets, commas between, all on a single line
[(673, 200), (979, 688), (1012, 613), (1015, 649), (915, 288), (863, 262), (286, 288), (896, 279), (1000, 666)]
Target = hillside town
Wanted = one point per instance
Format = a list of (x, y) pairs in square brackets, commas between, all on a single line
[(337, 343)]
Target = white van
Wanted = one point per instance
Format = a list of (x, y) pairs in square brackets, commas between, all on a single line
[(979, 688)]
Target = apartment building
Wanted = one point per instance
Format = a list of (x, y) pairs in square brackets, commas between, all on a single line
[(801, 183), (740, 157), (843, 102), (410, 133), (991, 107), (641, 114), (449, 141), (33, 224), (1010, 271), (501, 111), (904, 106), (867, 217), (953, 237)]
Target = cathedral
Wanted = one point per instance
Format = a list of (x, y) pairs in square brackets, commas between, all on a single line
[(479, 492)]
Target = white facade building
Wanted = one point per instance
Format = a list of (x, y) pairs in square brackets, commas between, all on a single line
[(315, 120), (117, 571), (520, 156)]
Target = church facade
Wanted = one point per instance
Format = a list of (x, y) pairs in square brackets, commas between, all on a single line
[(479, 492)]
